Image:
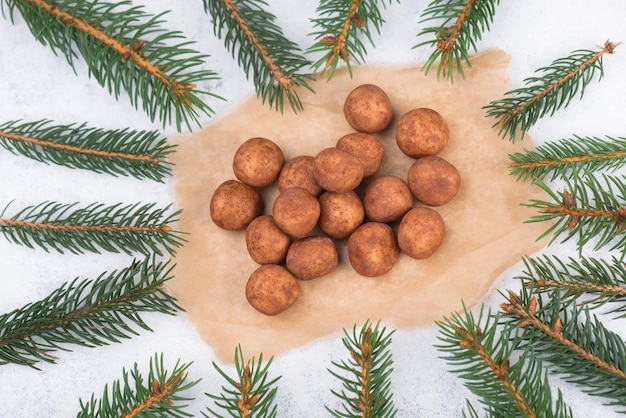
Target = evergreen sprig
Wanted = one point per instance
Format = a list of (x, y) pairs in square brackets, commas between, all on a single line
[(251, 35), (579, 346), (552, 89), (86, 312), (125, 49), (342, 29), (125, 152), (160, 395), (481, 352), (568, 156), (587, 209), (141, 228), (590, 281), (460, 24), (365, 378), (250, 394)]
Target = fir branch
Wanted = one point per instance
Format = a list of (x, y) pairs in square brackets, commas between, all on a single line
[(248, 395), (141, 228), (264, 53), (158, 396), (480, 352), (118, 152), (587, 353), (366, 377), (563, 158), (587, 210), (590, 281), (86, 312), (342, 28), (553, 89), (125, 48), (462, 24)]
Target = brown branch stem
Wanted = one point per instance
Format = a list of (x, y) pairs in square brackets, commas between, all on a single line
[(159, 394), (79, 150), (567, 160), (581, 287), (447, 41), (279, 76), (85, 228)]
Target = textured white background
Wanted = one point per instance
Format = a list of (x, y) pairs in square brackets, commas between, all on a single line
[(35, 84)]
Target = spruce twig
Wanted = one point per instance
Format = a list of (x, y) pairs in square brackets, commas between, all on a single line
[(86, 312), (125, 48), (552, 89), (250, 393), (480, 351), (342, 27), (270, 59), (587, 210), (160, 395), (365, 378), (462, 23), (118, 152), (582, 349), (566, 157), (141, 228)]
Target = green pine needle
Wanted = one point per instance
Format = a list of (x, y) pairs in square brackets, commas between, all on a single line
[(125, 49), (123, 152), (460, 24), (566, 157), (250, 393), (480, 352), (141, 228), (270, 59), (365, 378), (552, 89), (86, 312), (342, 29), (160, 395), (588, 210), (580, 347)]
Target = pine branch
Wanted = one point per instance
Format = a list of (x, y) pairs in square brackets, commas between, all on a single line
[(249, 394), (250, 33), (125, 48), (553, 89), (118, 152), (366, 377), (480, 352), (132, 228), (158, 396), (590, 281), (462, 23), (587, 210), (342, 28), (582, 349), (565, 157), (86, 312)]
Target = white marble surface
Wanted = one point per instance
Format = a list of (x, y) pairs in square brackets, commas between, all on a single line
[(35, 84)]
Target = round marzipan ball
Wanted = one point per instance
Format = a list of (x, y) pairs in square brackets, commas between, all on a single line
[(421, 131), (271, 289), (266, 242), (386, 199), (341, 213), (433, 180), (296, 212), (367, 148), (368, 109), (234, 205), (421, 232), (337, 171), (258, 162), (312, 257), (373, 249), (298, 172)]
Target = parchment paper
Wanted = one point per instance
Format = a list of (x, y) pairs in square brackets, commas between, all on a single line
[(484, 223)]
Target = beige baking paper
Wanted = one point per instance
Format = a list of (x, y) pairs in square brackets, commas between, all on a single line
[(485, 225)]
